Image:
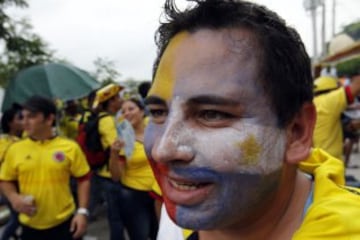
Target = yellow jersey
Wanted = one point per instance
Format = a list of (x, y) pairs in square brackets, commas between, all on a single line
[(69, 126), (328, 133), (108, 133), (333, 214), (42, 170), (5, 141), (138, 173)]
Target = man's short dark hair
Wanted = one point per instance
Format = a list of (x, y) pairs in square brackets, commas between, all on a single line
[(284, 66), (39, 104), (144, 88)]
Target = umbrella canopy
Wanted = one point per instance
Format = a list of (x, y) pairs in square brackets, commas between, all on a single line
[(53, 80)]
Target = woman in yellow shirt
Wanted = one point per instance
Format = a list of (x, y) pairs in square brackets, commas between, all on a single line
[(12, 129), (135, 174)]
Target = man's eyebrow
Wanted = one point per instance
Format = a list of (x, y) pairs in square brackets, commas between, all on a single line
[(154, 100), (211, 100)]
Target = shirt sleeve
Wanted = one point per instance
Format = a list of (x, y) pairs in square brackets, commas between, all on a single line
[(79, 165), (3, 147), (8, 171), (107, 130)]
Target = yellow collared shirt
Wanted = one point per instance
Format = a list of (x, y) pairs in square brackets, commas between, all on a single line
[(42, 170)]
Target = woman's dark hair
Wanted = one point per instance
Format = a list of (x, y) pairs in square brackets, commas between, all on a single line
[(7, 117), (137, 102), (284, 66)]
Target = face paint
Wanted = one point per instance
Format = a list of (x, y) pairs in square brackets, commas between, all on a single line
[(215, 160), (231, 206), (163, 84), (250, 149), (222, 173)]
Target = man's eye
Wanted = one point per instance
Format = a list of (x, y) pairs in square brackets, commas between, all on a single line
[(158, 115), (212, 115), (158, 112)]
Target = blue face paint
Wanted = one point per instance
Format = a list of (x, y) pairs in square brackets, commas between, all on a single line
[(235, 199)]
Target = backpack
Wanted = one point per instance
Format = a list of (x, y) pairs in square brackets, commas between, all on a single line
[(89, 140)]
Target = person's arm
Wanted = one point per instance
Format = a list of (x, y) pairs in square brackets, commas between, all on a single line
[(83, 189), (79, 221), (20, 203), (116, 162), (81, 171)]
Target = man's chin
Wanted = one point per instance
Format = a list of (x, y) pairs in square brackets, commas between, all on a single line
[(196, 219)]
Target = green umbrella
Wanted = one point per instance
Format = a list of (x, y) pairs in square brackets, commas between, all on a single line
[(53, 80)]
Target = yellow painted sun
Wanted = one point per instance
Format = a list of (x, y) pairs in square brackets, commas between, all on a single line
[(250, 149)]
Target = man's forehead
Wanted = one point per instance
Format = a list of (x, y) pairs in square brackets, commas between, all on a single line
[(215, 57), (164, 81), (28, 112)]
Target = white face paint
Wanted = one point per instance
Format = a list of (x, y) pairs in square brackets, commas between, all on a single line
[(215, 148), (176, 118), (247, 148), (244, 147)]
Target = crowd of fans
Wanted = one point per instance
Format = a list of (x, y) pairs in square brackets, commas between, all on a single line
[(123, 177)]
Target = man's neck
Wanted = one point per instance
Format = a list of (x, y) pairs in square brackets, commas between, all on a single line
[(45, 135), (139, 128), (280, 221)]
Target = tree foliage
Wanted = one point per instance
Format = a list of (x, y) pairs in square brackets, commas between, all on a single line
[(353, 30), (21, 47), (105, 71), (349, 67)]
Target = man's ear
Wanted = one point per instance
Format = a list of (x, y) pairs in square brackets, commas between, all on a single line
[(300, 134)]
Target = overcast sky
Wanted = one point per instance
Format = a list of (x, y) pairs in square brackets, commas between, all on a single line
[(123, 30)]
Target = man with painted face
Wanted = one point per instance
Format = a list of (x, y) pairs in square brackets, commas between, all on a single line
[(232, 164)]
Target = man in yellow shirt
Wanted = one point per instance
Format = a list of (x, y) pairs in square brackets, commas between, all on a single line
[(330, 101), (232, 119), (42, 165)]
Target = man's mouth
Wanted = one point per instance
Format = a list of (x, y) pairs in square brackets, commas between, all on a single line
[(186, 186), (186, 192)]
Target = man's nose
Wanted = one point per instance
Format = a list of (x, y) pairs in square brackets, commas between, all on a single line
[(174, 144)]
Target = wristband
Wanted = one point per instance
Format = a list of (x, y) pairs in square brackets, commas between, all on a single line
[(83, 211)]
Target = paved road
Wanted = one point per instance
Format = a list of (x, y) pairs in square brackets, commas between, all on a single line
[(98, 230)]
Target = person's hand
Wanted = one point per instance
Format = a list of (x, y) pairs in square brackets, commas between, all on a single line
[(78, 225), (24, 204), (117, 145)]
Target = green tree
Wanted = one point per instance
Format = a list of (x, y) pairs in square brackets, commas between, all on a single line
[(348, 67), (21, 47), (105, 71), (353, 30)]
